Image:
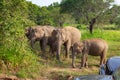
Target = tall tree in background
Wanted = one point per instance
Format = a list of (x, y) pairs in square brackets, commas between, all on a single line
[(115, 15), (43, 18), (33, 11), (87, 10), (59, 19)]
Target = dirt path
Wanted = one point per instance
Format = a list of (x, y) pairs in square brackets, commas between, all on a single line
[(57, 73), (65, 73)]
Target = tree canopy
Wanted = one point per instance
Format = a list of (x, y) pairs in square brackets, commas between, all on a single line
[(87, 11)]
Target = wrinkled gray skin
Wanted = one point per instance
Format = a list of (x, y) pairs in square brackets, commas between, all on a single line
[(41, 34), (94, 47), (67, 36)]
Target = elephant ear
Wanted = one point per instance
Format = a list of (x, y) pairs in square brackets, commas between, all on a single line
[(81, 45), (55, 32)]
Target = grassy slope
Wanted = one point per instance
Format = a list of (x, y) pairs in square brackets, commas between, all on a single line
[(54, 70)]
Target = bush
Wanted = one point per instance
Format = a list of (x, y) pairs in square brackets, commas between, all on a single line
[(15, 53)]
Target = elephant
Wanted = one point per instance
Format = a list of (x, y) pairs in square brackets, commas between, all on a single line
[(66, 36), (42, 34), (94, 47)]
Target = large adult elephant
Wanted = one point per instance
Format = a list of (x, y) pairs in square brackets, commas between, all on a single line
[(94, 47), (42, 34), (67, 36)]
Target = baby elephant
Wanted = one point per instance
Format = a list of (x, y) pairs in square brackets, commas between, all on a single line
[(94, 47)]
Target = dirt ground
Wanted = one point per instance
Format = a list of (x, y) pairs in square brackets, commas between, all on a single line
[(56, 74)]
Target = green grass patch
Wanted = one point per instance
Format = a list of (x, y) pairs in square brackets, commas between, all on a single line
[(108, 35)]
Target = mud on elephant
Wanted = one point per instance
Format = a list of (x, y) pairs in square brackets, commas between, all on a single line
[(66, 36), (40, 33), (94, 47)]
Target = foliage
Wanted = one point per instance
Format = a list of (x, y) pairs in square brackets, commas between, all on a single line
[(83, 8), (90, 12), (15, 52), (60, 19)]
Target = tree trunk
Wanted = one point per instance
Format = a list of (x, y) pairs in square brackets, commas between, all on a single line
[(91, 24)]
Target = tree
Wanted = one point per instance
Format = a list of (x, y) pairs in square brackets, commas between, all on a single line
[(33, 11), (43, 18), (115, 15), (87, 10), (59, 19)]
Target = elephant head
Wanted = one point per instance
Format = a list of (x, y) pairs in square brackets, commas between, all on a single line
[(28, 31), (58, 38), (79, 47), (38, 33)]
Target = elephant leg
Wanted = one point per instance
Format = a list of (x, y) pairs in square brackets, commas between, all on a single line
[(73, 58), (104, 55), (103, 58), (52, 50), (83, 60), (104, 62), (41, 45), (32, 42), (58, 56), (86, 63), (44, 43), (67, 49)]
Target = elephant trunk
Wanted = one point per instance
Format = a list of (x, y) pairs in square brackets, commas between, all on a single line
[(58, 50)]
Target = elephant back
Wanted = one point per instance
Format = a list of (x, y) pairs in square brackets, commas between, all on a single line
[(73, 33), (96, 46)]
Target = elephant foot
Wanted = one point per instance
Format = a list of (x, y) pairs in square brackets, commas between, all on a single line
[(86, 66), (73, 66), (81, 67)]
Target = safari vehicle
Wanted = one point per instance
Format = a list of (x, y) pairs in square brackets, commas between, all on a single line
[(110, 71)]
